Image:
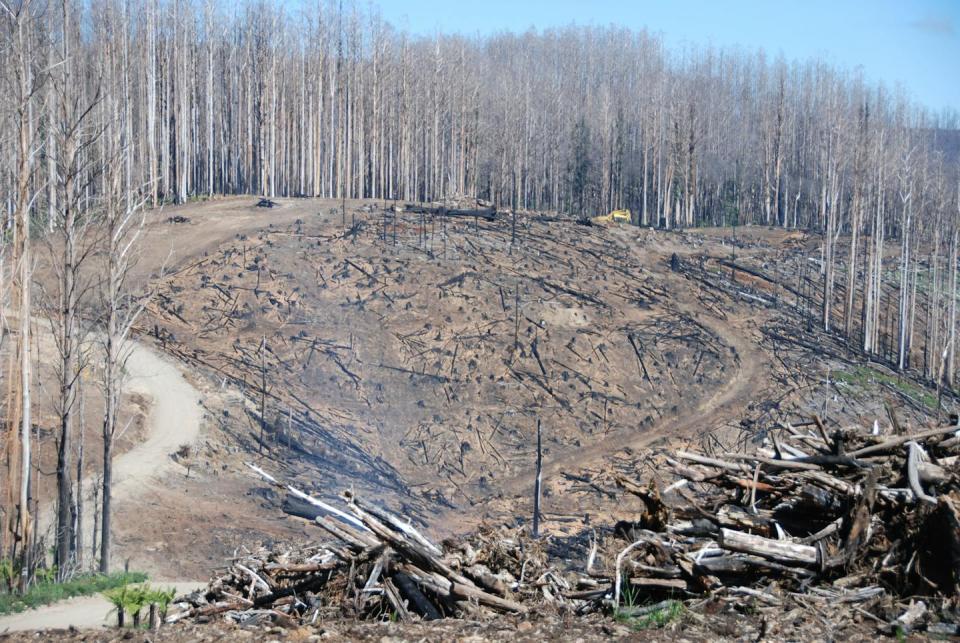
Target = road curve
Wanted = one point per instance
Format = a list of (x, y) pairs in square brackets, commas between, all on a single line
[(173, 419)]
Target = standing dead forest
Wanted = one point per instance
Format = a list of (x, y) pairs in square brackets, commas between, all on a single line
[(109, 108)]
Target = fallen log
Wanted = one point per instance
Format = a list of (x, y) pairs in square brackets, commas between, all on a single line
[(418, 602), (778, 550), (900, 441), (759, 275), (648, 584), (294, 506)]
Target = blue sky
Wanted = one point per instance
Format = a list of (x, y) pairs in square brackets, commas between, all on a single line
[(915, 43)]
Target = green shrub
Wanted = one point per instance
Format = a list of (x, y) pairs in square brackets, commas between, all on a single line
[(162, 599), (639, 618), (131, 599), (120, 599)]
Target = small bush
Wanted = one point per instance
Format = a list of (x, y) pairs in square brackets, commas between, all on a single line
[(131, 600), (671, 612)]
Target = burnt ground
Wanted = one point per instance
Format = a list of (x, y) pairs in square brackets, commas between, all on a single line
[(690, 627), (405, 373), (392, 367), (410, 358)]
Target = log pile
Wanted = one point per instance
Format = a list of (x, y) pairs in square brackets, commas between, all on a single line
[(843, 519), (856, 518), (375, 566)]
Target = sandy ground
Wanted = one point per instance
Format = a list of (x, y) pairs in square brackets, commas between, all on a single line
[(82, 612), (174, 420)]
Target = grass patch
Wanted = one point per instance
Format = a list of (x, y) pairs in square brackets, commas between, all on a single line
[(45, 593), (863, 376), (639, 619)]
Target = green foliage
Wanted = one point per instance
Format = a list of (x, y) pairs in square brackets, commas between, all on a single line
[(863, 376), (119, 597), (7, 572), (161, 598), (131, 599), (630, 596), (46, 575), (662, 617), (656, 619), (46, 592), (136, 599), (125, 599)]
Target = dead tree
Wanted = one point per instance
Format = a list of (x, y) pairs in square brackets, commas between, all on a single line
[(905, 191), (263, 391), (122, 226), (538, 483), (19, 31), (69, 250)]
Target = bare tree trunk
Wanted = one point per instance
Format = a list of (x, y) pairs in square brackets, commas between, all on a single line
[(78, 524), (263, 391), (67, 396), (152, 102), (94, 543), (537, 484), (21, 30), (67, 322), (906, 219), (952, 327), (111, 380)]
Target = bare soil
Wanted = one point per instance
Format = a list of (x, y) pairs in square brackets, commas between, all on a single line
[(410, 358), (392, 367)]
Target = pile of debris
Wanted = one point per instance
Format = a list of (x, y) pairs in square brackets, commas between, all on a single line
[(377, 566), (841, 518), (850, 517)]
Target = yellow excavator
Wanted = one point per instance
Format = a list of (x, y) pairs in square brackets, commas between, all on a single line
[(617, 216)]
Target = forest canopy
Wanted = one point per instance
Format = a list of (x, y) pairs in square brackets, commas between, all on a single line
[(313, 101)]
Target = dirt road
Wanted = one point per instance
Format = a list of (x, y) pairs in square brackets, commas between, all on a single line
[(747, 363), (82, 612), (746, 378), (173, 420)]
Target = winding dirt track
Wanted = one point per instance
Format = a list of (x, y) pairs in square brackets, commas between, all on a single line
[(744, 384), (173, 420), (174, 416), (748, 364)]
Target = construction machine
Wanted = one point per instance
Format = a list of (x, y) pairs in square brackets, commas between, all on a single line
[(617, 216)]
